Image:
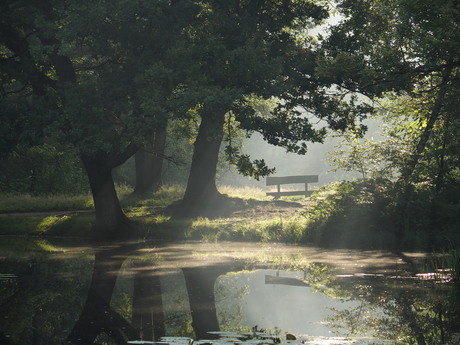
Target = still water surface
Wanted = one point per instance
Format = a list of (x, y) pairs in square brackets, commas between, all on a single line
[(65, 293)]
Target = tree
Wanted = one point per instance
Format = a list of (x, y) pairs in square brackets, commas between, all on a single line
[(92, 75), (409, 48), (404, 46), (243, 50), (149, 163), (401, 120), (437, 166), (357, 154)]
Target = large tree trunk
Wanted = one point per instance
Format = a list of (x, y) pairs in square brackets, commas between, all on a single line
[(111, 222), (149, 164), (201, 192)]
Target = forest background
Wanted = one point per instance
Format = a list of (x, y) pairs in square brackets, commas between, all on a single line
[(153, 94)]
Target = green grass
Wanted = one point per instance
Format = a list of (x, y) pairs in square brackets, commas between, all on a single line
[(11, 203), (16, 203), (28, 203), (57, 219), (334, 216), (290, 229), (244, 192), (21, 247), (72, 224), (11, 225), (147, 213)]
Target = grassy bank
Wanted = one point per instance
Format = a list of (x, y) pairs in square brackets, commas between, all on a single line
[(254, 216), (24, 203), (347, 215)]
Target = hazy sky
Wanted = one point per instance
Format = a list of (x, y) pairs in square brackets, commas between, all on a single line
[(295, 309)]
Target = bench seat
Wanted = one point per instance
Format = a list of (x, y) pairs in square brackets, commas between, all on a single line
[(280, 180)]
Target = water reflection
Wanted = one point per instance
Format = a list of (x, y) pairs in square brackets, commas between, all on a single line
[(278, 299), (98, 316), (400, 308), (147, 304), (133, 292)]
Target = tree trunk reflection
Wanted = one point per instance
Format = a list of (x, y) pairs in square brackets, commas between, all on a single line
[(148, 316), (97, 316), (200, 288)]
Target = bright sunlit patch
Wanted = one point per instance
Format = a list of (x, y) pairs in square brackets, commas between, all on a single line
[(245, 192), (342, 341), (48, 222), (440, 276), (46, 246), (232, 338)]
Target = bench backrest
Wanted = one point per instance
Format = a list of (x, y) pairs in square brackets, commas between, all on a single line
[(277, 180)]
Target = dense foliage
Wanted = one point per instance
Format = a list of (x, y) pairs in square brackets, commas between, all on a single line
[(42, 170), (422, 214), (84, 86), (373, 213), (407, 51)]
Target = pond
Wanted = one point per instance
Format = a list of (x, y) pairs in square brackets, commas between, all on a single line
[(56, 292)]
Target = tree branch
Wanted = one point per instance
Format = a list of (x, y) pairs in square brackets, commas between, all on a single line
[(435, 112)]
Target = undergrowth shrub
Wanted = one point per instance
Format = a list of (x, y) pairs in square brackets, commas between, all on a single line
[(374, 213), (345, 214), (282, 230), (43, 170)]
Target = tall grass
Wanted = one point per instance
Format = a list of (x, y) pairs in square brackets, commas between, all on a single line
[(278, 229), (29, 203), (53, 202), (291, 229), (167, 194), (61, 202)]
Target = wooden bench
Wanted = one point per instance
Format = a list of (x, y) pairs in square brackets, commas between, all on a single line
[(279, 180)]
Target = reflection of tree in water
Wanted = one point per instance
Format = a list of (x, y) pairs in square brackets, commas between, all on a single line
[(203, 305), (147, 311), (102, 318), (131, 298), (97, 316), (229, 294), (402, 310), (200, 283), (176, 304), (40, 296)]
